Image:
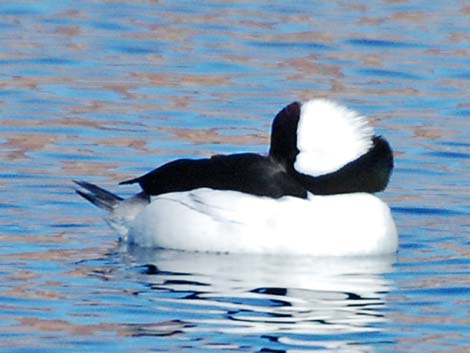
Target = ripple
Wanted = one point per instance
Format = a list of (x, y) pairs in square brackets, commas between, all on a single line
[(108, 90), (424, 211), (290, 45), (389, 73), (380, 43)]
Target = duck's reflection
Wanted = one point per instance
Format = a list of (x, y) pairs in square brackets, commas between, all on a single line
[(300, 301)]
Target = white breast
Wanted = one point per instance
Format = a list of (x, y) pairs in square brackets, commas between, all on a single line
[(229, 221)]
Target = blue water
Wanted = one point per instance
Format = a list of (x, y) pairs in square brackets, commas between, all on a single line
[(104, 91)]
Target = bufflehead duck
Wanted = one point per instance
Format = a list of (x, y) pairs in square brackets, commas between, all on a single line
[(312, 194)]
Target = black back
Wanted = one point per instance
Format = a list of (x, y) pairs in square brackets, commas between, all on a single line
[(247, 172)]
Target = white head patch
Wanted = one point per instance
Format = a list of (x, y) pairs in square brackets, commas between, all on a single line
[(329, 136)]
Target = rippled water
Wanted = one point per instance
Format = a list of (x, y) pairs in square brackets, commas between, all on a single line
[(106, 90)]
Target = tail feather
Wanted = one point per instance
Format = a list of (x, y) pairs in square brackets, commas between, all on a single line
[(98, 196), (130, 181), (121, 212)]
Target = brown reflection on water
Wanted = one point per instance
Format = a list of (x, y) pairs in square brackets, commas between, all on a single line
[(16, 147), (214, 136), (86, 94), (106, 331)]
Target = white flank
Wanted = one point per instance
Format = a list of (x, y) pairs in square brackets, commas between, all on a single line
[(124, 214), (329, 136), (228, 221)]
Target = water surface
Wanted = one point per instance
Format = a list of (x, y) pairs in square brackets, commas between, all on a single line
[(107, 90)]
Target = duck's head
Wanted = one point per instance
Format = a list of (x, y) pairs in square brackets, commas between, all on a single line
[(330, 149)]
